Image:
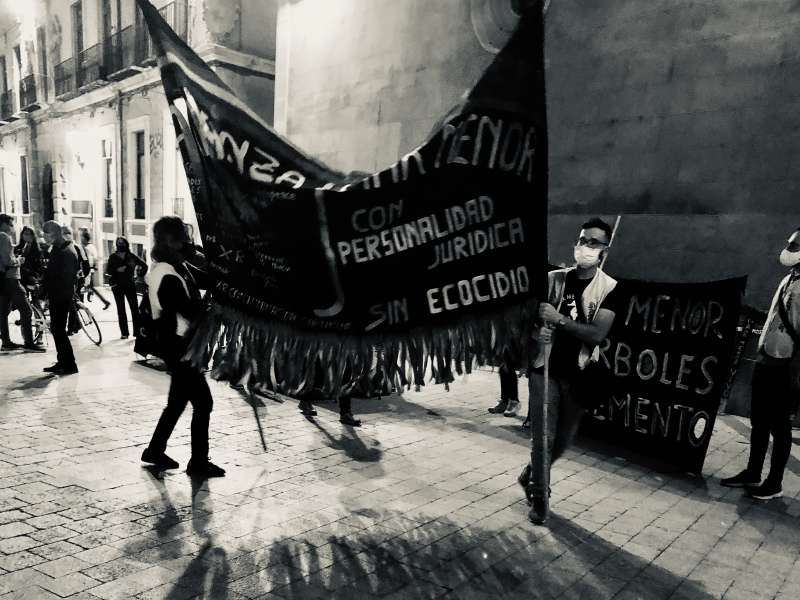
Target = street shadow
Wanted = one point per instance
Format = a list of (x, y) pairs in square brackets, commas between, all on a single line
[(37, 382), (352, 445), (394, 555)]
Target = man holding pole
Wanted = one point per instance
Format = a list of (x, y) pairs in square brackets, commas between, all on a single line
[(577, 317)]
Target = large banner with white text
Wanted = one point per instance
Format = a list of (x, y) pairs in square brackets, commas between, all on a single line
[(433, 263)]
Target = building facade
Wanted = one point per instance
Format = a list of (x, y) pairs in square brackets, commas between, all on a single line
[(680, 116), (85, 133)]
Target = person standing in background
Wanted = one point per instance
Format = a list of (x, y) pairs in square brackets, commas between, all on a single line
[(772, 398), (91, 255), (83, 268), (59, 286), (121, 273), (12, 294)]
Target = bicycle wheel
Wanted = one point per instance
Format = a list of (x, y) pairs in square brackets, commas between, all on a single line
[(88, 323), (38, 325)]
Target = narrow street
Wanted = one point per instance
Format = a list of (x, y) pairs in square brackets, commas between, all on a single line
[(421, 502)]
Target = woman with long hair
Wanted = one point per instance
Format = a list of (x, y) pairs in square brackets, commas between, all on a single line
[(121, 273), (175, 303), (28, 248)]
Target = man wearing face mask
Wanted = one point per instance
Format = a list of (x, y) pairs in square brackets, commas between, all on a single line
[(772, 401), (581, 309)]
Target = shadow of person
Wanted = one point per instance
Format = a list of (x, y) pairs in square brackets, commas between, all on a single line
[(33, 383), (352, 445), (394, 555)]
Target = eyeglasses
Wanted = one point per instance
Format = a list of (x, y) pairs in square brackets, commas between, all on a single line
[(592, 243)]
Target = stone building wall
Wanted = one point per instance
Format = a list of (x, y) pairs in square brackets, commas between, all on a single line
[(680, 115)]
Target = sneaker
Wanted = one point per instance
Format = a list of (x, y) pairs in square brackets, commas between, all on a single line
[(538, 511), (10, 346), (68, 370), (499, 408), (526, 423), (767, 491), (349, 419), (204, 470), (513, 408), (743, 479), (33, 348), (123, 337), (159, 459), (52, 369)]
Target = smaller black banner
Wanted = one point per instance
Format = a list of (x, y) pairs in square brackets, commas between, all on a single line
[(664, 367)]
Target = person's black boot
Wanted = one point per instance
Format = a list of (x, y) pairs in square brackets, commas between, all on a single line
[(159, 460), (499, 408), (349, 419), (204, 469), (307, 408), (743, 479)]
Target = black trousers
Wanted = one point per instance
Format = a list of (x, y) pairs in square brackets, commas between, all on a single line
[(122, 293), (188, 384), (509, 384), (12, 295), (770, 414), (59, 313)]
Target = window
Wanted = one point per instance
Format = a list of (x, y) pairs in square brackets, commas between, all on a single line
[(139, 198), (3, 191), (108, 180), (18, 71), (23, 177), (110, 248), (41, 40), (138, 250), (3, 75)]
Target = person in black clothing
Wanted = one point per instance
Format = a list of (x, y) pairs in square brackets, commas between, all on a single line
[(121, 273), (59, 286), (32, 268), (83, 268), (509, 390), (175, 302)]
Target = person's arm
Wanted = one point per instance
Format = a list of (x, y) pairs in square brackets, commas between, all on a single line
[(7, 258), (173, 297)]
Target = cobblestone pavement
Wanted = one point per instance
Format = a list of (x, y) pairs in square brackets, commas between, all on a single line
[(419, 503)]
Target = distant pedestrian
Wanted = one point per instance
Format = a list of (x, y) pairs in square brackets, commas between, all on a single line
[(59, 287), (12, 294), (175, 302), (581, 308), (73, 325), (32, 263), (509, 390), (773, 399), (121, 271), (91, 255)]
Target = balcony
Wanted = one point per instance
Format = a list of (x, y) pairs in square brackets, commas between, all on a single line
[(131, 50), (27, 94), (64, 77), (89, 68), (7, 107)]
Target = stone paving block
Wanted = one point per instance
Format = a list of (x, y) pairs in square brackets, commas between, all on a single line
[(72, 583), (17, 544), (130, 585)]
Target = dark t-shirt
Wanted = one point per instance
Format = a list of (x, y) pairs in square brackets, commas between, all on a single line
[(567, 348)]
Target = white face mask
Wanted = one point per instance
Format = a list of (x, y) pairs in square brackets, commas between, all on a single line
[(790, 259), (587, 258)]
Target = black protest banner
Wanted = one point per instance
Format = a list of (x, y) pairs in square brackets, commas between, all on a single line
[(664, 368), (435, 262)]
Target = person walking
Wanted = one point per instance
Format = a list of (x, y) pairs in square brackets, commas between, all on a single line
[(175, 302), (581, 308), (73, 325), (32, 265), (59, 287), (773, 399), (12, 294), (121, 272), (91, 256), (509, 390)]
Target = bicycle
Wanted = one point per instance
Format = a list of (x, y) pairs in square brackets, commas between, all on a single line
[(87, 321), (39, 327)]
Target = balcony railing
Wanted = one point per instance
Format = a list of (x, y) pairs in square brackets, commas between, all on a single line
[(118, 56), (89, 66), (27, 92), (7, 105), (64, 77)]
